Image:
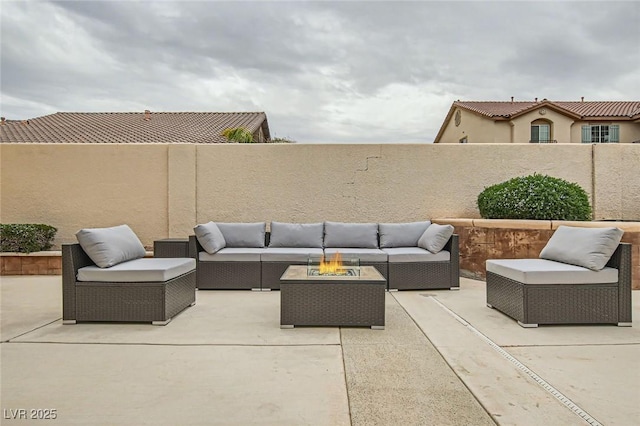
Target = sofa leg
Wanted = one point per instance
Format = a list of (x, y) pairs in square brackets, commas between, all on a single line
[(67, 322), (489, 305), (454, 288), (161, 322), (286, 326), (527, 325), (377, 327), (624, 324), (256, 289)]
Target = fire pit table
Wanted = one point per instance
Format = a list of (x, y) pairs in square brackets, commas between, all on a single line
[(350, 300)]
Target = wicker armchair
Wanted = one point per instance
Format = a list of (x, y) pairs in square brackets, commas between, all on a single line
[(155, 302), (594, 303)]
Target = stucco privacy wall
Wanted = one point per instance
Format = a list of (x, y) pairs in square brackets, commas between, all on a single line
[(376, 183), (617, 181), (76, 186), (164, 190)]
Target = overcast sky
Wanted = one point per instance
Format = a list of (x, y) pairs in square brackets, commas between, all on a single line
[(321, 71)]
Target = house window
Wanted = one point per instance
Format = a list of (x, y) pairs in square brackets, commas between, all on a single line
[(540, 132), (598, 133)]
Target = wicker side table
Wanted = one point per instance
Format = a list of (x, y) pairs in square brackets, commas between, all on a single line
[(171, 247)]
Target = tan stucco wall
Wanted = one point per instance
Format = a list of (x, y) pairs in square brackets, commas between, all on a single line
[(164, 190), (617, 181), (181, 196), (76, 186)]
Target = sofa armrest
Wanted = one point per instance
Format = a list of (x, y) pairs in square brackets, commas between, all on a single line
[(73, 258), (194, 247), (453, 247), (621, 260)]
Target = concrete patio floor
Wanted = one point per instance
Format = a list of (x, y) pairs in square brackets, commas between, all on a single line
[(444, 358)]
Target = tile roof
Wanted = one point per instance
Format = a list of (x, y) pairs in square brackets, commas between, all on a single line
[(131, 127), (581, 109)]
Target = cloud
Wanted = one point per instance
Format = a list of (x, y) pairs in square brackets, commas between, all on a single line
[(322, 71)]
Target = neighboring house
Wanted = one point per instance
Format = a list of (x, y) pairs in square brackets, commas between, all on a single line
[(133, 127), (541, 122)]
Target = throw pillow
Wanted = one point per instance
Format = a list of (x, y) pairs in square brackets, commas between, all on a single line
[(435, 237), (210, 237), (590, 248), (110, 246)]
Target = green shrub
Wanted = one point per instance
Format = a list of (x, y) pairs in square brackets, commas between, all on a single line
[(535, 197), (26, 238), (238, 134)]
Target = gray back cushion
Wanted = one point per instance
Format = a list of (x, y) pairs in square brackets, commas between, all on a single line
[(401, 234), (358, 235), (587, 247), (210, 237), (110, 246), (301, 235), (243, 234), (435, 237)]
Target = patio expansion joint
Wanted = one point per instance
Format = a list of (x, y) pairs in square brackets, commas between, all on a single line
[(9, 340), (570, 346), (566, 401), (344, 376), (239, 345)]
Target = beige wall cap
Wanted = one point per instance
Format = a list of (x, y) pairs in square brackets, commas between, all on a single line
[(454, 222), (512, 223), (625, 226)]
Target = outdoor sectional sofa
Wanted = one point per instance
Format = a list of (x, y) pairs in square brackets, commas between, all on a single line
[(583, 276), (105, 277), (411, 256)]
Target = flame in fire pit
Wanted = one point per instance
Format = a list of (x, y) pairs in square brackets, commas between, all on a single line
[(333, 266)]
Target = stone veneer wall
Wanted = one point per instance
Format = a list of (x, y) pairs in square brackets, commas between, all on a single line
[(482, 239), (40, 263)]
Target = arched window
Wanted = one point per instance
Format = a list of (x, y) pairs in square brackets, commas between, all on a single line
[(541, 131)]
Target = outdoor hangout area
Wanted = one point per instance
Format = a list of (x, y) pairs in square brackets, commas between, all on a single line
[(442, 358), (316, 285)]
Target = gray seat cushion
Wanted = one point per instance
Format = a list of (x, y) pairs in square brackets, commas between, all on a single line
[(233, 254), (110, 246), (243, 234), (542, 271), (139, 270), (302, 235), (289, 254), (401, 234), (364, 254), (415, 254), (588, 247), (356, 235)]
